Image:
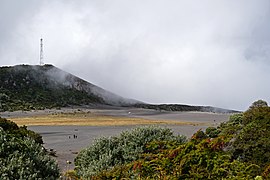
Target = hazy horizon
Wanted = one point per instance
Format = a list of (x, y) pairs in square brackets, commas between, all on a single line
[(186, 52)]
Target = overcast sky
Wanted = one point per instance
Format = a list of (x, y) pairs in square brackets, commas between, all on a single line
[(199, 52)]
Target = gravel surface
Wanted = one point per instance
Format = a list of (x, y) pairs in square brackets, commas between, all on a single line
[(67, 141), (61, 138)]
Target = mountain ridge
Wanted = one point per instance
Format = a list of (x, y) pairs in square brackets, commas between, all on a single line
[(26, 87), (33, 87)]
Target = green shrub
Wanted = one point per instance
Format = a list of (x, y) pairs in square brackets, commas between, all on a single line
[(8, 125), (12, 128), (24, 132), (212, 132), (22, 158), (240, 151), (128, 146), (252, 143), (233, 126), (258, 104), (249, 135), (202, 159)]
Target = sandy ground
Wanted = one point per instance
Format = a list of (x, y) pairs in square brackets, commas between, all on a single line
[(61, 138)]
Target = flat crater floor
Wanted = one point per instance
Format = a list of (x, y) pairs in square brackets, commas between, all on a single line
[(68, 130)]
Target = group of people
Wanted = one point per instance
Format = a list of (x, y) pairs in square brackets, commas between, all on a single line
[(74, 136)]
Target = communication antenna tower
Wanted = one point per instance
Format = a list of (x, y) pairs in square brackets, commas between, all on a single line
[(41, 53)]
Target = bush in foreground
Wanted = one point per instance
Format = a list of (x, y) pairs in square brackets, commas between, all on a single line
[(23, 158), (237, 149), (20, 132), (127, 147), (200, 158)]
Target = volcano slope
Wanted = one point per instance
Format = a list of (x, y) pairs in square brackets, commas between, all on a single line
[(33, 87), (27, 87)]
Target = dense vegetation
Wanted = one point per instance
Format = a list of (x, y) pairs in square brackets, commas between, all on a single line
[(26, 87), (20, 132), (21, 157), (107, 152), (249, 135), (237, 149)]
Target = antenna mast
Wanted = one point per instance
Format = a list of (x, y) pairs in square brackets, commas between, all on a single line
[(41, 53)]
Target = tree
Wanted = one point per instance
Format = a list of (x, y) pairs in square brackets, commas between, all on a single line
[(252, 143), (258, 104)]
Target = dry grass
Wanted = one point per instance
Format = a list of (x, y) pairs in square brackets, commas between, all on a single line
[(90, 119)]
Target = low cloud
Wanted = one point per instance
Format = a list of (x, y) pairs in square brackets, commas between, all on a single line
[(211, 53)]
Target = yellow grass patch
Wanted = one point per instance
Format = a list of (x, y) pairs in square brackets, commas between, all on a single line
[(90, 119)]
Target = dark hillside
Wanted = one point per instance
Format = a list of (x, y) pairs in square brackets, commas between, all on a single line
[(183, 107), (26, 87)]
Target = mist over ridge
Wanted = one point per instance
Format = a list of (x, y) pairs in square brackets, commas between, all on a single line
[(211, 53), (31, 87)]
